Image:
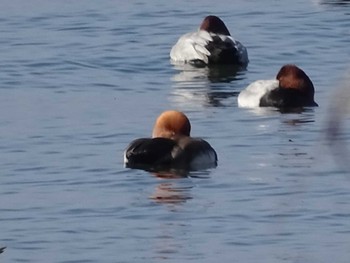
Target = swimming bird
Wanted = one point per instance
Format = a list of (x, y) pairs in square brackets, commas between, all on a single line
[(291, 88), (171, 147), (2, 249), (211, 44)]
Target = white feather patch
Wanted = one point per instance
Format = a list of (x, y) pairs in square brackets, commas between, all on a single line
[(250, 97), (191, 46)]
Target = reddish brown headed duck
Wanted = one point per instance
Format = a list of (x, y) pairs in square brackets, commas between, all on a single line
[(291, 88), (171, 146), (211, 44)]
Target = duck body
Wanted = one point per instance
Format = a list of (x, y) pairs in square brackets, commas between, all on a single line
[(212, 44), (285, 98), (251, 96), (170, 148), (184, 153), (291, 88)]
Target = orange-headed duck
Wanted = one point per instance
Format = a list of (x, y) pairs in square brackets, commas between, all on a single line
[(211, 44), (291, 88), (170, 147)]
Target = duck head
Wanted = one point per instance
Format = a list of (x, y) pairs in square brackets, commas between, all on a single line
[(292, 77), (214, 24), (170, 124)]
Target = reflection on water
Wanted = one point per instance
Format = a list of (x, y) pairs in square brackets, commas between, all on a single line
[(167, 242), (300, 112), (205, 86), (302, 116), (220, 73), (171, 174), (195, 97), (171, 193), (296, 122), (297, 110), (175, 186)]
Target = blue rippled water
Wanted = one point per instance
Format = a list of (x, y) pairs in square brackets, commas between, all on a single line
[(80, 80)]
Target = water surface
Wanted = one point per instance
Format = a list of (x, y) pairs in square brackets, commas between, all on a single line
[(80, 80)]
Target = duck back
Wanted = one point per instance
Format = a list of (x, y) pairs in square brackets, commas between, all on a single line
[(150, 152), (222, 51), (286, 98)]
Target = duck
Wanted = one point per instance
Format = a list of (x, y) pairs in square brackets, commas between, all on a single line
[(212, 44), (292, 88), (170, 147)]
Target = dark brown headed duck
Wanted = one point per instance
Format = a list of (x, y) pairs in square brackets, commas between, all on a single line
[(292, 88), (212, 44)]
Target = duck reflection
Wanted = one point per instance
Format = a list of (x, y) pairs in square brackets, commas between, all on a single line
[(214, 74), (175, 186), (298, 112), (169, 239), (172, 194), (204, 86), (299, 120)]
